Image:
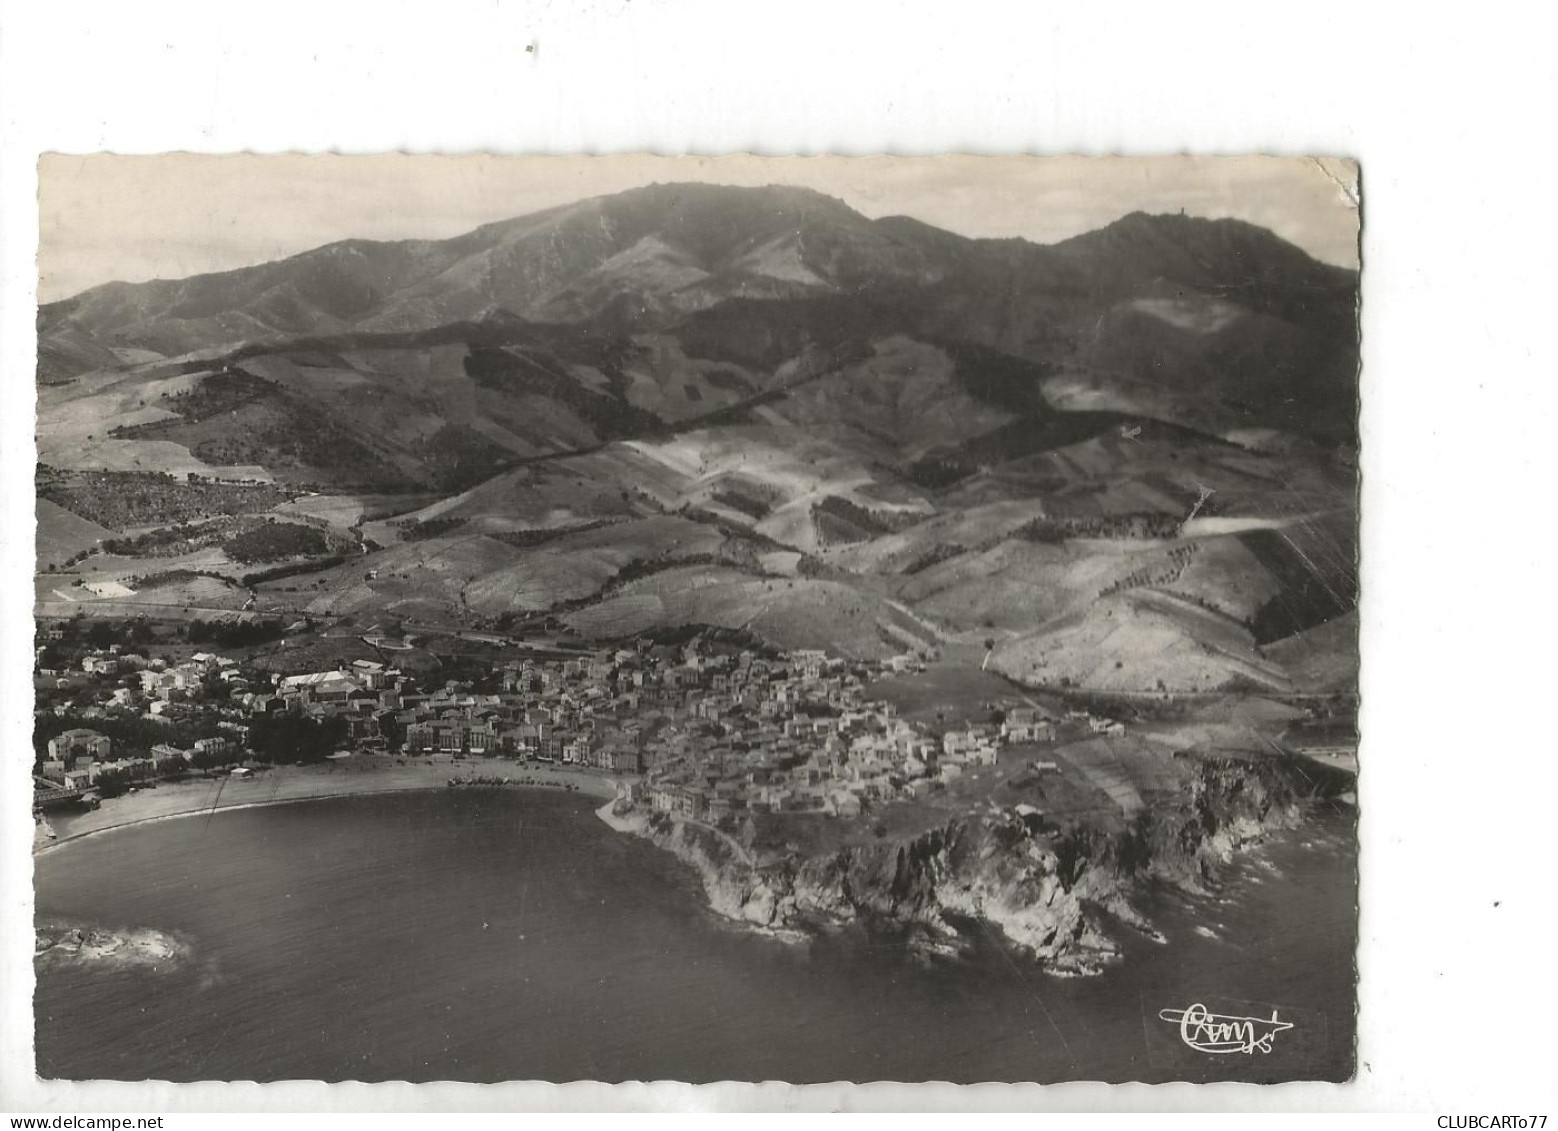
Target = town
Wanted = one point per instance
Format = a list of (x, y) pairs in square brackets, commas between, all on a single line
[(701, 729)]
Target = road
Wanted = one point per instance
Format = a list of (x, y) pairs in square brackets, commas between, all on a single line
[(494, 638), (129, 609)]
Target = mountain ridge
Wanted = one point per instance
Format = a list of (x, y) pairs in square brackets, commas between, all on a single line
[(376, 269), (753, 408)]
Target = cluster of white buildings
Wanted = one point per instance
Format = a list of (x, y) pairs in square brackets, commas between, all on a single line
[(800, 734), (714, 730)]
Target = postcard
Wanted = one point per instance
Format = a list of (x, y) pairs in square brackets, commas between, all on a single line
[(696, 619)]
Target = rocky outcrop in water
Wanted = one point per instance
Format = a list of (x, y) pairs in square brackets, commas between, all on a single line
[(93, 946), (1060, 894)]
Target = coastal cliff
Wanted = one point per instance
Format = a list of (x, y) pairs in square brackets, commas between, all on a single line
[(1059, 893)]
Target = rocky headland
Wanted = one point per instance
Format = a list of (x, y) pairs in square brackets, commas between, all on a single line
[(1060, 893)]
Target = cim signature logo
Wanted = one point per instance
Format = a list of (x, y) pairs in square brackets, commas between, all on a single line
[(1219, 1033)]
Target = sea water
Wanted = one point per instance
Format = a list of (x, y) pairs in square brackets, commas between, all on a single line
[(510, 935)]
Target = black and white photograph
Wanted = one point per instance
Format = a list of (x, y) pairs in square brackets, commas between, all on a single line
[(892, 559), (737, 618)]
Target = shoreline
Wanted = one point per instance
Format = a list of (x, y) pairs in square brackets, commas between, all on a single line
[(360, 776), (789, 903), (708, 874)]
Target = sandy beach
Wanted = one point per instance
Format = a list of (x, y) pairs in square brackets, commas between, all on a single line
[(280, 785)]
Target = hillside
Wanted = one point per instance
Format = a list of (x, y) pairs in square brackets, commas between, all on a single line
[(669, 296), (748, 407)]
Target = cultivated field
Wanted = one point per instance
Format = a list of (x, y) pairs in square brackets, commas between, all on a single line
[(1139, 641), (800, 613), (574, 566), (948, 693), (61, 534)]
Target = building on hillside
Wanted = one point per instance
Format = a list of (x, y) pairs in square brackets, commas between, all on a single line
[(577, 750), (1027, 724), (321, 687), (811, 663), (360, 728), (80, 743), (216, 747), (982, 753), (680, 801), (370, 673)]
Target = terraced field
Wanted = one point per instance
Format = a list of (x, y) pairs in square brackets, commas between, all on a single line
[(789, 613), (1323, 658), (1139, 641), (575, 566), (192, 592), (1017, 585), (971, 529), (63, 534), (346, 511)]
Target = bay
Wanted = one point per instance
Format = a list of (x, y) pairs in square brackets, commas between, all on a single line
[(487, 936)]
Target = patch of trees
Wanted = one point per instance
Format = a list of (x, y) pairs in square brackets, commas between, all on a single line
[(526, 539), (1203, 603), (1163, 573), (835, 531), (874, 522), (129, 734), (270, 541), (646, 567), (120, 499), (167, 541), (260, 422), (717, 636), (102, 634), (729, 530), (291, 570), (224, 391), (934, 472), (457, 456), (997, 378), (811, 566), (414, 531), (936, 554), (161, 579), (235, 634), (1029, 435), (295, 738), (641, 568), (1057, 528), (112, 783), (736, 501), (611, 417), (212, 759)]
